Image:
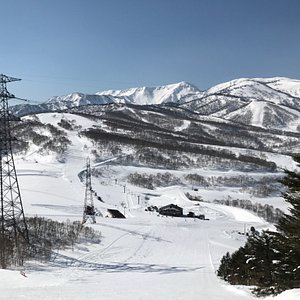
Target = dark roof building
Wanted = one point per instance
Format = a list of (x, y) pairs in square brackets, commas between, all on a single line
[(171, 210)]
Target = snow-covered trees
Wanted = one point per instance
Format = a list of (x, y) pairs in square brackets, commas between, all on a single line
[(47, 137), (45, 236), (150, 181), (289, 232), (270, 260), (254, 264)]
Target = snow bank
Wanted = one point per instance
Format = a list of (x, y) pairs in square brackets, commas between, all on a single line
[(293, 294)]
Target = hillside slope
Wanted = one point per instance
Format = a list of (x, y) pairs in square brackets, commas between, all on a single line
[(144, 249)]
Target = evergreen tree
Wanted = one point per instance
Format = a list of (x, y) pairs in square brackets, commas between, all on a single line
[(289, 232), (270, 260), (253, 264)]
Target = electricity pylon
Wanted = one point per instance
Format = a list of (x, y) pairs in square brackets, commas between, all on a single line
[(13, 229), (89, 208)]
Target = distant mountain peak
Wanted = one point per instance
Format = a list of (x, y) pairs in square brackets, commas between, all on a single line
[(155, 95)]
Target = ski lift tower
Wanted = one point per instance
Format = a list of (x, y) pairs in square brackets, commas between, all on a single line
[(89, 208), (12, 218)]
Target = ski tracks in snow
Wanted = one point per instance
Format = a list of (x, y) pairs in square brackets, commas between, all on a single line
[(123, 248)]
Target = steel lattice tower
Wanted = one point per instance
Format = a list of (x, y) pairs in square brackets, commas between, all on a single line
[(88, 209), (12, 219)]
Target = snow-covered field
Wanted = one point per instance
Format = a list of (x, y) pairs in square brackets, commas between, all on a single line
[(145, 256)]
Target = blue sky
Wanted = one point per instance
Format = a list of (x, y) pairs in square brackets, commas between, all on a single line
[(60, 46)]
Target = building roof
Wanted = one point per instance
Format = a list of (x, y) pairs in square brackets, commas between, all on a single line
[(173, 206), (116, 213)]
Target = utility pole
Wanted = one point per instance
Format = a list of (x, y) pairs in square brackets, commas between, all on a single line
[(13, 228), (88, 209)]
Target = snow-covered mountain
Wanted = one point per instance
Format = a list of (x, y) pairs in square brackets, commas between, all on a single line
[(58, 103), (264, 102), (78, 99), (142, 96), (276, 90), (175, 93)]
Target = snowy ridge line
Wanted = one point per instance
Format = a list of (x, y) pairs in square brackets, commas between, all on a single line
[(277, 90), (278, 94)]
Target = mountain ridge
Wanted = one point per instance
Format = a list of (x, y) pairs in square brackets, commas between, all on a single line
[(155, 95), (238, 100)]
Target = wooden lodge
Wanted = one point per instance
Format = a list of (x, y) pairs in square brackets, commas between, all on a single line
[(172, 210)]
